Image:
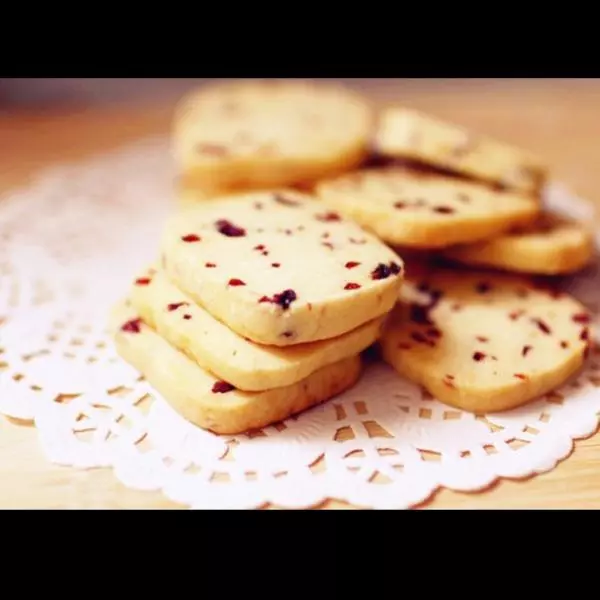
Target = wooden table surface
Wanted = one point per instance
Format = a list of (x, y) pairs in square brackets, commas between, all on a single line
[(560, 120)]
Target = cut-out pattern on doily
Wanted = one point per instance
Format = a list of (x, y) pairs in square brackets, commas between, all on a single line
[(70, 244)]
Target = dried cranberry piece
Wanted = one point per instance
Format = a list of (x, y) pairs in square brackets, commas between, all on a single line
[(187, 317), (172, 307), (516, 314), (482, 339), (328, 217), (222, 387), (259, 247), (542, 326), (235, 282), (581, 318), (564, 344), (383, 271), (526, 350), (191, 237), (285, 298), (351, 264), (520, 376), (400, 205), (132, 326), (585, 334), (229, 229), (351, 286), (444, 210), (478, 356), (210, 265), (434, 332), (276, 265), (143, 281)]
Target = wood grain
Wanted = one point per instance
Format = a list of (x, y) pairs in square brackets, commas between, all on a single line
[(558, 119)]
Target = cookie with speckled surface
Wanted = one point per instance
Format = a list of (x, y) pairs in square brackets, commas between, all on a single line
[(485, 342), (412, 208), (214, 404), (279, 267), (550, 246), (408, 134), (218, 349), (261, 134)]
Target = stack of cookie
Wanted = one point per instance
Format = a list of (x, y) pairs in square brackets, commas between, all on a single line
[(260, 308), (286, 262)]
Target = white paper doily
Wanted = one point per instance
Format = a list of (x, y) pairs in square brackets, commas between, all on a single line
[(69, 246)]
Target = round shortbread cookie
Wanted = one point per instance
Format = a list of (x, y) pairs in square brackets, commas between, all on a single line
[(279, 267), (221, 351), (408, 207), (485, 342), (550, 246), (408, 134), (209, 402), (261, 134)]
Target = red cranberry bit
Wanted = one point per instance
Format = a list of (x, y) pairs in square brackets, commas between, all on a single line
[(222, 387), (172, 307), (210, 265), (191, 237), (265, 299), (285, 298), (483, 287), (352, 286), (382, 271), (259, 247), (516, 314), (143, 281), (526, 350), (351, 264), (132, 326), (419, 337), (581, 318), (327, 245), (358, 242), (281, 199), (400, 205), (187, 317), (482, 339), (235, 282), (212, 149), (275, 265), (478, 356), (444, 210), (542, 326), (564, 344), (265, 253), (328, 217), (287, 334), (585, 334), (229, 229), (520, 376)]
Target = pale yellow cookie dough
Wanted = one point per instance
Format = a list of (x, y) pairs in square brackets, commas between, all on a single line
[(258, 134), (218, 349), (404, 133), (485, 342), (209, 402), (551, 246), (280, 268), (405, 207)]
